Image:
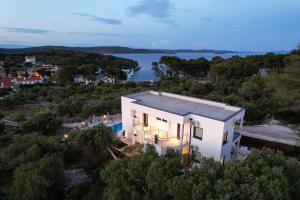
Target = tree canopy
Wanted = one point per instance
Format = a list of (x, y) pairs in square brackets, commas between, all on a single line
[(44, 122), (265, 174), (37, 170)]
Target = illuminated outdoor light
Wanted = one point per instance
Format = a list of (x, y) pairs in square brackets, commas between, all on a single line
[(66, 136), (104, 116)]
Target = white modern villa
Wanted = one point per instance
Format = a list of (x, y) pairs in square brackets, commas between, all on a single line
[(186, 124)]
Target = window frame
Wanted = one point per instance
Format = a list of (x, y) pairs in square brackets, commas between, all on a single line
[(225, 136), (194, 131)]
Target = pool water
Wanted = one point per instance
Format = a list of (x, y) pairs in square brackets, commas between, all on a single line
[(116, 127)]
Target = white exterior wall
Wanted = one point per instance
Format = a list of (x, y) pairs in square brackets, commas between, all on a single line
[(152, 121), (211, 143), (229, 126), (126, 115)]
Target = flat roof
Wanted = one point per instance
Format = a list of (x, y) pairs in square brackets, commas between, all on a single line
[(183, 105)]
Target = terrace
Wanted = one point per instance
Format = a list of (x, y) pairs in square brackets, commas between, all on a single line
[(160, 138)]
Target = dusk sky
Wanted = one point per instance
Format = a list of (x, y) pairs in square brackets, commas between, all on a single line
[(254, 25)]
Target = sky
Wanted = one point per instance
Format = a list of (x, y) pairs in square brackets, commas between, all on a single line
[(244, 25)]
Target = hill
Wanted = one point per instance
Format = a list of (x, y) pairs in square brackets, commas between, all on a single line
[(108, 50)]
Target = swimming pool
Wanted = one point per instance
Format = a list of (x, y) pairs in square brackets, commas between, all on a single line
[(116, 127)]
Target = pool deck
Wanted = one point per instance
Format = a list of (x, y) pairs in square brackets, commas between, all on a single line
[(108, 121)]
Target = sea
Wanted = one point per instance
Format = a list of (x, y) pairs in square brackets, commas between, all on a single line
[(144, 60)]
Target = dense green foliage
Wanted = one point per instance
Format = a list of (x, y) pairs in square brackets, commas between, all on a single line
[(93, 143), (86, 191), (286, 87), (36, 168), (239, 81), (264, 175), (173, 67), (44, 123), (42, 179), (32, 166), (4, 91)]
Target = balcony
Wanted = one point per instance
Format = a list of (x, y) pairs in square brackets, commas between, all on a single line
[(236, 136), (162, 138), (239, 153), (237, 129)]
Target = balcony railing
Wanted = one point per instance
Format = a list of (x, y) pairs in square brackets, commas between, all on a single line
[(155, 131), (158, 136), (239, 153), (237, 128), (162, 138)]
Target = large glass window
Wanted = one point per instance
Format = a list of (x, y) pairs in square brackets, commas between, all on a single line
[(198, 133)]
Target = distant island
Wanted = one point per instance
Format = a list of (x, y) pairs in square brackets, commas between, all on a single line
[(107, 50)]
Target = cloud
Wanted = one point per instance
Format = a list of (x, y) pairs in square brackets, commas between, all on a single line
[(25, 30), (154, 8), (90, 17), (108, 34), (96, 34)]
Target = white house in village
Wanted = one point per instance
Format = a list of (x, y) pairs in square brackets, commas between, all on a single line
[(186, 124), (30, 59)]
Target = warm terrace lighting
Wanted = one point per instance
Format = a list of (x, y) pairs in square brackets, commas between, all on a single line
[(66, 136), (104, 116)]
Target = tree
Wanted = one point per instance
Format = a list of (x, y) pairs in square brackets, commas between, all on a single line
[(232, 69), (252, 89), (28, 148), (116, 73), (154, 64), (66, 74), (43, 122), (197, 68), (69, 107), (5, 91), (86, 191), (286, 89), (2, 128), (125, 178), (159, 172), (159, 71), (94, 142), (273, 62), (265, 174), (34, 168), (42, 179), (174, 66)]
